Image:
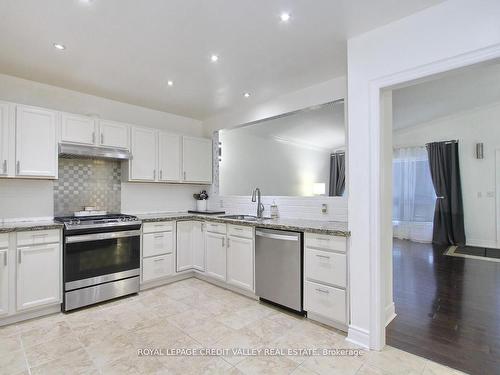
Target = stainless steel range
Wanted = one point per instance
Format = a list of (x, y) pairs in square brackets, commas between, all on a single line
[(101, 258)]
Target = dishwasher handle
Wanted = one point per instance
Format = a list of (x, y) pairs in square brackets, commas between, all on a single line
[(275, 236)]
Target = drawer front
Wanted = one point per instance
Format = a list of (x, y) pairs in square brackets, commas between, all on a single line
[(38, 237), (240, 231), (161, 226), (157, 243), (157, 267), (216, 227), (326, 267), (326, 301), (4, 241), (326, 242)]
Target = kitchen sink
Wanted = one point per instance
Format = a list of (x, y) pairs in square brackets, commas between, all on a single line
[(244, 217)]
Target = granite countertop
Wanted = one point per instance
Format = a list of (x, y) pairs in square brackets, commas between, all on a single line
[(18, 226), (335, 228)]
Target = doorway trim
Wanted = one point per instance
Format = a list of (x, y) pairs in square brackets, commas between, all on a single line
[(377, 203)]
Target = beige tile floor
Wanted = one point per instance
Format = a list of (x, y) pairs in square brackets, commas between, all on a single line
[(188, 314)]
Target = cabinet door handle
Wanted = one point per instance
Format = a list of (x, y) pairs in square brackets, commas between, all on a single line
[(228, 242), (184, 176), (19, 253), (93, 137), (323, 290), (223, 241), (5, 166), (322, 256), (154, 174), (5, 258), (18, 167), (102, 138), (161, 174)]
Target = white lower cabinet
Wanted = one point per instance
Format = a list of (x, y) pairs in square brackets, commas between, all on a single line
[(215, 245), (38, 275), (157, 250), (190, 246), (326, 301), (157, 267), (240, 262), (325, 278), (4, 281)]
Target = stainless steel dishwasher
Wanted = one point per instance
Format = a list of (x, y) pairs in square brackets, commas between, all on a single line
[(278, 267)]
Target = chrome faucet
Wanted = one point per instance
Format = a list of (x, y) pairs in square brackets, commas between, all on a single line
[(256, 197)]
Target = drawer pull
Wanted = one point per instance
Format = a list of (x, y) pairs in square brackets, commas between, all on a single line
[(323, 256), (159, 236), (238, 228), (159, 260), (322, 290)]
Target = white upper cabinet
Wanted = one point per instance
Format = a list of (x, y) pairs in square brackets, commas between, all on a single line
[(5, 140), (169, 157), (113, 134), (144, 151), (36, 147), (197, 160), (78, 129)]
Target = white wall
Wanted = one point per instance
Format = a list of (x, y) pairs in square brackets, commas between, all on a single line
[(276, 167), (28, 198), (477, 176), (152, 198), (410, 48)]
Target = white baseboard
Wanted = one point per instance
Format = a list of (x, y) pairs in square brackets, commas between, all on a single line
[(390, 313), (246, 293), (358, 336), (166, 280), (30, 315), (481, 243)]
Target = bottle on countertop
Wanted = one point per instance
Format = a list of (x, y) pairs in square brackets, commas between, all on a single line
[(274, 211)]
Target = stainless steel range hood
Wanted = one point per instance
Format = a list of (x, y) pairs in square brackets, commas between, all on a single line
[(69, 151)]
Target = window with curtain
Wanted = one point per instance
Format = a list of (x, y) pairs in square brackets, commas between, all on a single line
[(413, 195)]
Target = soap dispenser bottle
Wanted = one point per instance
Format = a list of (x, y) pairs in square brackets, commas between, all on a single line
[(274, 211)]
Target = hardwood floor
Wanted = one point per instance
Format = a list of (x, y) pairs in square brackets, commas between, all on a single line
[(448, 308)]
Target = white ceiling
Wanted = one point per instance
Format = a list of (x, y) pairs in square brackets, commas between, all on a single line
[(321, 127), (127, 49), (457, 91)]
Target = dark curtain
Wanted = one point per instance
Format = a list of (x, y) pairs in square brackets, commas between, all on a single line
[(449, 213), (337, 174)]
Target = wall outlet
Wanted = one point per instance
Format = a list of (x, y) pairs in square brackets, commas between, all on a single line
[(324, 208)]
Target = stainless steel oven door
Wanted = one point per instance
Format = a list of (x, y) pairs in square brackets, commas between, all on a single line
[(90, 259)]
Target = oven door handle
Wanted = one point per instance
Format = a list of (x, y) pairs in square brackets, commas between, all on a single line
[(102, 236)]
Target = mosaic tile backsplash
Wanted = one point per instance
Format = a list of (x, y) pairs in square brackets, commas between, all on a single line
[(84, 182)]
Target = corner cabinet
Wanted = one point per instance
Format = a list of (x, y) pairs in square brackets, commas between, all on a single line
[(190, 246), (36, 146), (197, 160)]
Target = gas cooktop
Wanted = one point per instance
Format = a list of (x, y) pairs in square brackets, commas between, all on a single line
[(88, 222)]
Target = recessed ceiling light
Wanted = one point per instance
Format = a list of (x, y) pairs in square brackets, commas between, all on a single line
[(214, 58), (59, 46), (246, 95), (285, 17), (170, 83)]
